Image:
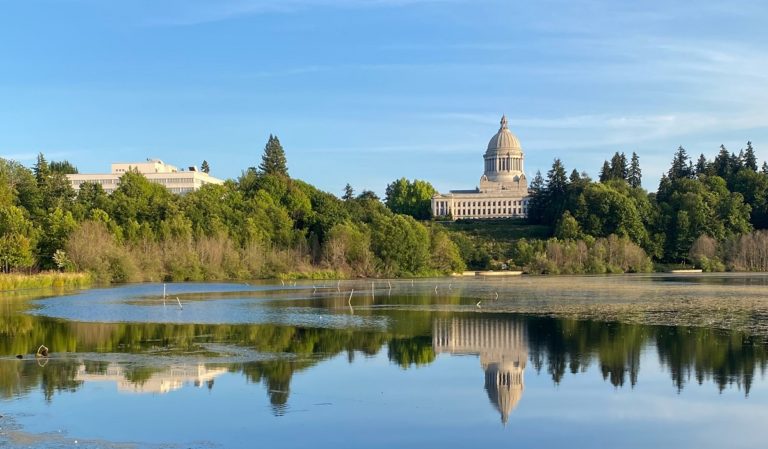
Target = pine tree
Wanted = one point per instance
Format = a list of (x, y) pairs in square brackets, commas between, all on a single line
[(575, 176), (349, 193), (765, 168), (557, 181), (623, 171), (635, 175), (204, 167), (273, 160), (681, 165), (605, 172), (537, 185), (41, 170), (701, 165), (750, 160), (722, 163)]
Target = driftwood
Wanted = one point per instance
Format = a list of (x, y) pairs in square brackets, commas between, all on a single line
[(42, 351)]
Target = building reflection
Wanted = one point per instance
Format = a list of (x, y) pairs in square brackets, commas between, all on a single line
[(162, 381), (503, 351)]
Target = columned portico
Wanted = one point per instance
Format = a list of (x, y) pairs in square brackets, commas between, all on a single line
[(503, 189)]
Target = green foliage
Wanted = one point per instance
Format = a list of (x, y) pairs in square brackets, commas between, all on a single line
[(266, 224), (567, 227), (410, 198), (401, 244), (273, 160)]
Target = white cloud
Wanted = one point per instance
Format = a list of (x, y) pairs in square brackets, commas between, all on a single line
[(202, 11)]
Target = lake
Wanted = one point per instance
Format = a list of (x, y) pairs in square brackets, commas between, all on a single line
[(592, 361)]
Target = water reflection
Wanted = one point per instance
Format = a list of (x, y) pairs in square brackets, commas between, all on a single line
[(167, 356), (161, 381), (502, 347)]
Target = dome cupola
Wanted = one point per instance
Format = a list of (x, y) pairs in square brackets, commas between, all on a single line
[(504, 139), (504, 156)]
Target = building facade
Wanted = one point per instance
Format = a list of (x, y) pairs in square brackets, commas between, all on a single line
[(503, 189), (503, 349), (155, 170)]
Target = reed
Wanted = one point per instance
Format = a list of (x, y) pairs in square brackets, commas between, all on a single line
[(46, 279)]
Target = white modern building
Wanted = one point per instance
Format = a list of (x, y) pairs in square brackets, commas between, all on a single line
[(163, 381), (155, 170), (503, 190)]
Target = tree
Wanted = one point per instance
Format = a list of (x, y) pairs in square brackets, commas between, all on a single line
[(567, 227), (618, 168), (537, 203), (555, 193), (204, 167), (401, 244), (681, 165), (605, 172), (635, 175), (41, 170), (410, 198), (574, 177), (368, 195), (750, 160), (64, 167), (701, 165), (273, 160), (723, 163), (349, 193)]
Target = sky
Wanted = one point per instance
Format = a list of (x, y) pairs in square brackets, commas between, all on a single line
[(368, 91)]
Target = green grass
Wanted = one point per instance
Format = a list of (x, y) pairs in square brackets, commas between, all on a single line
[(44, 280)]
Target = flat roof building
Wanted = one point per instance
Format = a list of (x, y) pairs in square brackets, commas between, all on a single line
[(155, 170)]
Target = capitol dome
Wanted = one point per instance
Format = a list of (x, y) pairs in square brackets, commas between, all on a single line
[(504, 159), (504, 139)]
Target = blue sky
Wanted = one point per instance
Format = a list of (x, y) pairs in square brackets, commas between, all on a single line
[(367, 91)]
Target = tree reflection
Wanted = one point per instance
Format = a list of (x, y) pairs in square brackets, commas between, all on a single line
[(554, 345)]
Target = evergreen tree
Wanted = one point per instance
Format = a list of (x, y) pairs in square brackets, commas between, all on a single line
[(635, 175), (537, 185), (41, 170), (349, 193), (765, 168), (750, 160), (557, 181), (722, 163), (737, 162), (204, 167), (555, 194), (273, 160), (537, 205), (681, 165), (701, 165), (63, 167), (575, 176), (605, 172)]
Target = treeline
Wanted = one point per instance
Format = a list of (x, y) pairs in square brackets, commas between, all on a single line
[(704, 213), (264, 224)]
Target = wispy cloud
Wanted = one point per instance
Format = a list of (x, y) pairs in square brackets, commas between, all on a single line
[(193, 12)]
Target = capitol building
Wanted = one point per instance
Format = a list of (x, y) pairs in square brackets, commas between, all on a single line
[(503, 189), (503, 349)]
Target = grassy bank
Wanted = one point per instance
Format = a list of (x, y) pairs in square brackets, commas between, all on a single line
[(44, 280)]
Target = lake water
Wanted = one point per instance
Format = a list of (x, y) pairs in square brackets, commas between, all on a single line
[(428, 363)]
